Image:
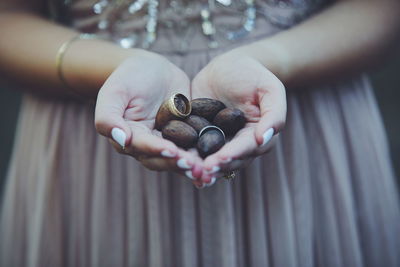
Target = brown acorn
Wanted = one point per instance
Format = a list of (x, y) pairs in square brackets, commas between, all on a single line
[(206, 107), (180, 133), (211, 139), (175, 108), (197, 122), (230, 120)]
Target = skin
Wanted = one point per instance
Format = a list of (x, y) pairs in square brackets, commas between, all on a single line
[(344, 39)]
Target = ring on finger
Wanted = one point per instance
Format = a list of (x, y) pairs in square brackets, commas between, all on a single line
[(230, 175)]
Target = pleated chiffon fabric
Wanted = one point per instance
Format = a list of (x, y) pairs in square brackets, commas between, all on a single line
[(324, 196)]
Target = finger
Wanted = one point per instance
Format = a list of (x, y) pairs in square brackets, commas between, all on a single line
[(232, 163), (160, 164), (191, 163), (243, 145), (109, 114), (117, 146), (267, 147), (273, 113), (226, 168), (145, 142), (163, 164), (235, 165), (186, 162)]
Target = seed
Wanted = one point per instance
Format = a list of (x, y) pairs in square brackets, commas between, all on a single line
[(180, 133), (197, 122), (206, 107), (230, 120), (210, 141)]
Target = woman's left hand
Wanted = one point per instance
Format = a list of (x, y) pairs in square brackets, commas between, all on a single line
[(240, 81)]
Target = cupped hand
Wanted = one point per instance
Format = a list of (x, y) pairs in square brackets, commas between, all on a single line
[(240, 81), (127, 105)]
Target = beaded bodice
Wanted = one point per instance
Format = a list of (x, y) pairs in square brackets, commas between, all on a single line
[(138, 23)]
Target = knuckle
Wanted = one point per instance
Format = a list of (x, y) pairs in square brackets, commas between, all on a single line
[(101, 125), (280, 125)]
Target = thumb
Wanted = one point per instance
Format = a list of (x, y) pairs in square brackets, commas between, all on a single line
[(109, 114), (273, 113)]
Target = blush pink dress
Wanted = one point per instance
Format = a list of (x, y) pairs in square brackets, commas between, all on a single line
[(324, 196)]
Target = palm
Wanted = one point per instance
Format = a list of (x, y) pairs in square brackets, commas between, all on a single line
[(129, 101), (146, 85), (244, 83)]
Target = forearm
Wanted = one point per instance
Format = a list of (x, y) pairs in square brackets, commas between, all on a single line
[(345, 39), (28, 49)]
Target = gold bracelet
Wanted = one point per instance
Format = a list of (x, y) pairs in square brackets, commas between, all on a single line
[(60, 56)]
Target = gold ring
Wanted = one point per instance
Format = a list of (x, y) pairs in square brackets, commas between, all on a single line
[(229, 176)]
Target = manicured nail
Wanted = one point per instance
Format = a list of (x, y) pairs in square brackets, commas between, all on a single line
[(189, 175), (225, 161), (267, 136), (167, 154), (183, 164), (200, 186), (214, 169), (213, 180), (119, 136)]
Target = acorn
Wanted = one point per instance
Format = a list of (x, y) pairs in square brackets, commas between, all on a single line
[(197, 122), (230, 120), (211, 139), (206, 107), (177, 107), (180, 133)]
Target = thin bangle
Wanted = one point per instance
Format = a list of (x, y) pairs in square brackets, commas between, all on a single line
[(60, 56)]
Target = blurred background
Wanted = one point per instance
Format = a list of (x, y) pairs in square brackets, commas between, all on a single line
[(386, 80)]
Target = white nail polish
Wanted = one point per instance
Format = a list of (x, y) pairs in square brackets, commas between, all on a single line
[(226, 161), (119, 136), (167, 154), (213, 180), (267, 136), (200, 187), (214, 169), (189, 175), (183, 164)]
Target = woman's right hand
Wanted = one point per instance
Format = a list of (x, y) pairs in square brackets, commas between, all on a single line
[(126, 107)]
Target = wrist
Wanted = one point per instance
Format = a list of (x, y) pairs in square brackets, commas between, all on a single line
[(88, 63), (274, 57)]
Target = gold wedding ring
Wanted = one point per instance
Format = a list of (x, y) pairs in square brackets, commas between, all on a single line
[(229, 176)]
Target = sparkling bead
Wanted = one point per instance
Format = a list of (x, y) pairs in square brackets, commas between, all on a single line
[(205, 13), (127, 42), (208, 28), (225, 2), (213, 44), (99, 7), (103, 24), (183, 18), (151, 25), (137, 5)]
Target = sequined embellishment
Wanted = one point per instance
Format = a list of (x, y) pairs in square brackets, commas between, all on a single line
[(117, 12)]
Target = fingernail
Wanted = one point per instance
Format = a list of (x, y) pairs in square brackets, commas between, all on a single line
[(213, 180), (119, 136), (200, 186), (226, 160), (214, 169), (167, 154), (267, 136), (183, 164), (189, 175)]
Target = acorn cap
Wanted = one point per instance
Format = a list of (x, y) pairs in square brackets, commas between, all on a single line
[(174, 108)]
